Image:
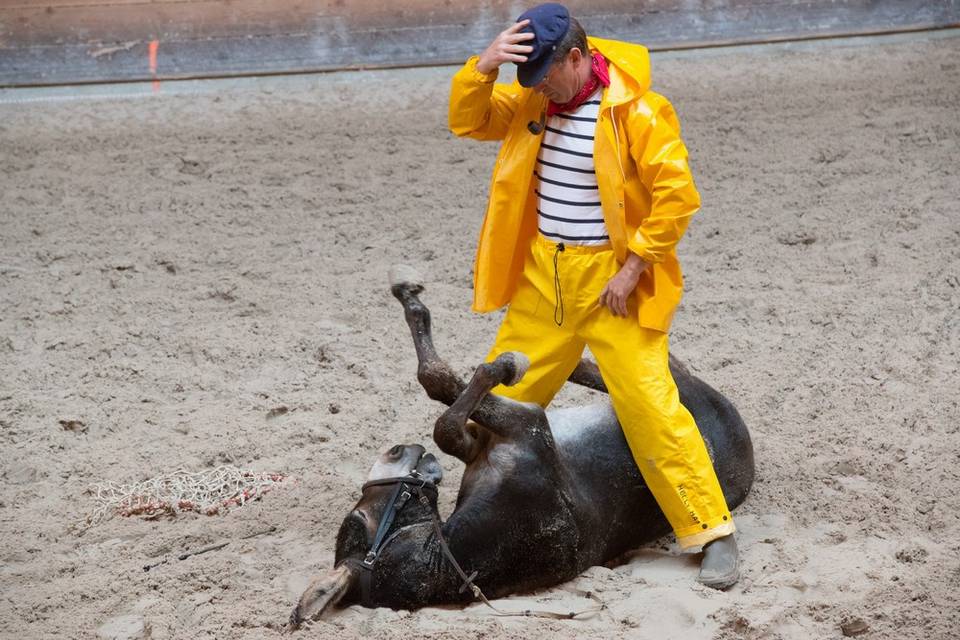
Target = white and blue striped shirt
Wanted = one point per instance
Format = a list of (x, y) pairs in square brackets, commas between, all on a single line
[(568, 200)]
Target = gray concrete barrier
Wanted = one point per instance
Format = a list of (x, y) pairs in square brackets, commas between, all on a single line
[(78, 41)]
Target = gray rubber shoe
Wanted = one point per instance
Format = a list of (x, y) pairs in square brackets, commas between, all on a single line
[(720, 567)]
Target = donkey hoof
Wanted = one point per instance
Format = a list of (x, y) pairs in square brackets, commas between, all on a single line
[(405, 278), (520, 364)]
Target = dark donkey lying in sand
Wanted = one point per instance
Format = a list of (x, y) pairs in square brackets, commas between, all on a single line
[(544, 495)]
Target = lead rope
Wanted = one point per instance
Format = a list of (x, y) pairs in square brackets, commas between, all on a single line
[(477, 593), (558, 309)]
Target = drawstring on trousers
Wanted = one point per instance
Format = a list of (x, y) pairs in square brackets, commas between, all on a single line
[(558, 309)]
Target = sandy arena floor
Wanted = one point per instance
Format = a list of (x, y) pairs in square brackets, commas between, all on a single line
[(197, 277)]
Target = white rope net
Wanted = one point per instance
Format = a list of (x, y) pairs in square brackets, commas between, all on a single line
[(207, 492)]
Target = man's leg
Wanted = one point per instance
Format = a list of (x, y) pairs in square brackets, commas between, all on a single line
[(529, 327), (662, 435), (664, 438)]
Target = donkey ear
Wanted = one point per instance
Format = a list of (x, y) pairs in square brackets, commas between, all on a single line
[(430, 469), (323, 593)]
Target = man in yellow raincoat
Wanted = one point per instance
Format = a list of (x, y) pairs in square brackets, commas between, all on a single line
[(590, 194)]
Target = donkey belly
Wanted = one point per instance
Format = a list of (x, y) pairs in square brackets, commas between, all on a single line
[(591, 445), (621, 513)]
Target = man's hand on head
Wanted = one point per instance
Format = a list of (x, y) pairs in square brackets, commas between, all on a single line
[(619, 287), (506, 47)]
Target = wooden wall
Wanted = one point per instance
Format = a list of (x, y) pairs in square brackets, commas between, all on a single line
[(73, 41)]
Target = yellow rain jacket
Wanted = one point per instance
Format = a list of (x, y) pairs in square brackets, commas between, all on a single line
[(646, 190)]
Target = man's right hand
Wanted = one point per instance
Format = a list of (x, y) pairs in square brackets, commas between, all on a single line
[(506, 47)]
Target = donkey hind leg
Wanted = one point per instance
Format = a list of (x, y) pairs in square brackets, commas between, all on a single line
[(587, 374), (435, 375), (502, 416)]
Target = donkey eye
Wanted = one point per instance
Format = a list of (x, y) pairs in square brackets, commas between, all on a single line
[(396, 451)]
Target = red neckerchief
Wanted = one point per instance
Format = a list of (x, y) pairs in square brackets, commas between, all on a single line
[(600, 76)]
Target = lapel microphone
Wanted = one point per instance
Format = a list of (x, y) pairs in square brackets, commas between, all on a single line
[(536, 128)]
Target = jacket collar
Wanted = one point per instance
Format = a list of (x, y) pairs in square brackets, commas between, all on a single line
[(629, 70)]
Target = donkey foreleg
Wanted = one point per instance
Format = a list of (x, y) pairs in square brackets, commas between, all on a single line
[(434, 375), (502, 416)]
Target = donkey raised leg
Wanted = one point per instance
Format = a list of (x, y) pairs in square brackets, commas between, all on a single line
[(452, 432)]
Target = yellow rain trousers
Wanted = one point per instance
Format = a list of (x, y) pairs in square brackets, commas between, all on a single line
[(662, 435)]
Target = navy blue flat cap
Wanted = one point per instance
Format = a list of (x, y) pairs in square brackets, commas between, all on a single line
[(549, 23)]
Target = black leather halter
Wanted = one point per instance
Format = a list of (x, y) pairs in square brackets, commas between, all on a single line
[(404, 489), (402, 492)]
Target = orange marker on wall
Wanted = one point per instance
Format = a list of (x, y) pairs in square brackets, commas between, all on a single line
[(152, 57)]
